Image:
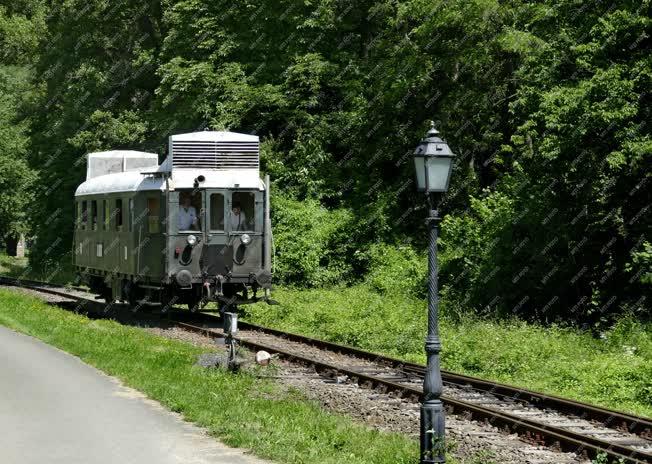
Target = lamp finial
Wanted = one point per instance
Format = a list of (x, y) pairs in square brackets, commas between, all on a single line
[(433, 132)]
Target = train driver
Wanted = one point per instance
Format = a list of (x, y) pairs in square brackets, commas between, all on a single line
[(238, 218), (187, 214)]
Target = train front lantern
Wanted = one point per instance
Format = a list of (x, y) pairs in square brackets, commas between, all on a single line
[(192, 230)]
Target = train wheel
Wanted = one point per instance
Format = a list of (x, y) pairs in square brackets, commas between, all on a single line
[(194, 305), (107, 294)]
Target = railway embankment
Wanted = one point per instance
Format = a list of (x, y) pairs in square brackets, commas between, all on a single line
[(611, 368), (507, 448), (470, 441)]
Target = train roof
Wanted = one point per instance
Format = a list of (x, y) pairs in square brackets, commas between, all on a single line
[(181, 179), (117, 161), (214, 136), (225, 159)]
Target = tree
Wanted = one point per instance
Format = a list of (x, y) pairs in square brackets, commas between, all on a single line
[(20, 24)]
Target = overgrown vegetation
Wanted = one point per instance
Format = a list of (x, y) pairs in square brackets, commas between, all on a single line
[(242, 410), (546, 104), (20, 28), (61, 273)]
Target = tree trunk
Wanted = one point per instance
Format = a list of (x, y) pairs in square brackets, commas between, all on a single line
[(11, 243)]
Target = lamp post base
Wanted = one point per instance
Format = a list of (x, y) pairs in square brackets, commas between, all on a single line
[(432, 432)]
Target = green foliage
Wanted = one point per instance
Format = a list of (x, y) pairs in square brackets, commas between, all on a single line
[(20, 25), (396, 269), (15, 175), (577, 196), (602, 458), (641, 264), (61, 273), (97, 75), (546, 105), (311, 242), (106, 130)]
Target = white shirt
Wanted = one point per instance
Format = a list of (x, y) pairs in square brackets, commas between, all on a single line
[(239, 221), (187, 217)]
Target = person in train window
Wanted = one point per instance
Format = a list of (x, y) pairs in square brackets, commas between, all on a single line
[(238, 218), (187, 214)]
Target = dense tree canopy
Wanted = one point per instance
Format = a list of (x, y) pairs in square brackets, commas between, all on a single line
[(20, 27), (546, 104)]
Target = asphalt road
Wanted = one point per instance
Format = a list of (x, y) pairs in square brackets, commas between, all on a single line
[(55, 409)]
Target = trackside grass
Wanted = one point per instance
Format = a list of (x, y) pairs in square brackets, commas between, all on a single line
[(58, 273), (241, 410), (613, 370)]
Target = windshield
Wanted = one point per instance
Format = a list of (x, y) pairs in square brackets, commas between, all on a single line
[(241, 216), (189, 217)]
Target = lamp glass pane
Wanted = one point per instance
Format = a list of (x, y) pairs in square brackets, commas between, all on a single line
[(438, 171), (420, 171)]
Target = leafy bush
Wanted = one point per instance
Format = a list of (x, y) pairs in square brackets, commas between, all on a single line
[(468, 246), (312, 244), (397, 269)]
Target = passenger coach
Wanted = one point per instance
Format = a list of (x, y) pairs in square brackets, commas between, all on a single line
[(192, 230)]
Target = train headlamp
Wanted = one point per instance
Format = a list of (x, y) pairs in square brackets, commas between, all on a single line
[(192, 240), (245, 239)]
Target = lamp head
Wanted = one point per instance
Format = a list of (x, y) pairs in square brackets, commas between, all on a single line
[(433, 163)]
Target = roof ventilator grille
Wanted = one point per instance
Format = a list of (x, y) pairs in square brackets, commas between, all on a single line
[(215, 155)]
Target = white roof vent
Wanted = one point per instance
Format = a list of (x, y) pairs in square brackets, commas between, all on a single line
[(214, 150), (115, 161)]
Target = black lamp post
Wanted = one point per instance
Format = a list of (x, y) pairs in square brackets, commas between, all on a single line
[(433, 162)]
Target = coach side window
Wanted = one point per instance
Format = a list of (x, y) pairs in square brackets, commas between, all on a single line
[(107, 215), (130, 215), (94, 214), (84, 214), (118, 214), (153, 208), (79, 215)]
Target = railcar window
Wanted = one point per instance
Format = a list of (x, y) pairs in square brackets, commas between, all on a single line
[(118, 214), (130, 214), (241, 216), (153, 208), (190, 208), (79, 214), (217, 212), (84, 214), (107, 215), (94, 214)]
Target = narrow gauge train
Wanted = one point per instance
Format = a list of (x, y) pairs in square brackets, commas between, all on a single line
[(192, 230)]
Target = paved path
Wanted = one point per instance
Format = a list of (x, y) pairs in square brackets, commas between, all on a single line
[(55, 409)]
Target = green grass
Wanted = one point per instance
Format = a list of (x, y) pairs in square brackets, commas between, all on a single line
[(61, 273), (241, 410), (614, 370)]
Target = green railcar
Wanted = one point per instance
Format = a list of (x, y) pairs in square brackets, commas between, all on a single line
[(191, 230)]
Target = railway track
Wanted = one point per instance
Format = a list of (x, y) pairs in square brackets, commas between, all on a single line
[(543, 419)]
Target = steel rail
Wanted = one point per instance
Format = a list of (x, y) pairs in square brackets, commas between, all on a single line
[(640, 426), (549, 435), (44, 287)]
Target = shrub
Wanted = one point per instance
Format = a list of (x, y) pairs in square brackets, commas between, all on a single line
[(398, 269), (312, 244)]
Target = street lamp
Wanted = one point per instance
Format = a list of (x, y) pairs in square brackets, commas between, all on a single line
[(433, 163)]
